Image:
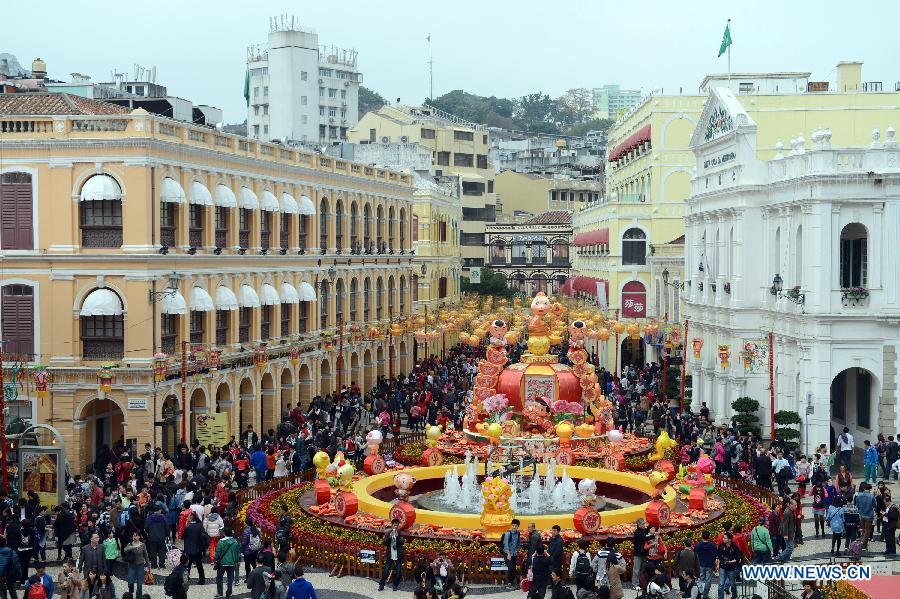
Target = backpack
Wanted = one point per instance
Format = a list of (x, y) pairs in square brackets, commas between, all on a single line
[(254, 544), (124, 518), (855, 549), (37, 590), (583, 566)]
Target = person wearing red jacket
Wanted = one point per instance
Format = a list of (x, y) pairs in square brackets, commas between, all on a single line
[(740, 539), (184, 517)]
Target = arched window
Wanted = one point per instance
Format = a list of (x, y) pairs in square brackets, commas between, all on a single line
[(102, 326), (354, 226), (101, 213), (339, 300), (379, 299), (403, 229), (518, 252), (16, 218), (390, 297), (324, 217), (560, 249), (634, 247), (367, 227), (366, 293), (854, 256), (798, 257), (402, 295), (17, 319), (339, 224), (540, 282), (324, 297), (498, 252), (379, 228), (517, 281), (539, 252), (353, 298), (391, 224)]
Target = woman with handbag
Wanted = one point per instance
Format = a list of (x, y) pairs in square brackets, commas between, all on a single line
[(137, 558)]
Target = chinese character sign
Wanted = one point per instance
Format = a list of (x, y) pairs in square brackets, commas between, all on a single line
[(634, 300)]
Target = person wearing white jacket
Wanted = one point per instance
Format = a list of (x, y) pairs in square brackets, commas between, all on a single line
[(213, 525)]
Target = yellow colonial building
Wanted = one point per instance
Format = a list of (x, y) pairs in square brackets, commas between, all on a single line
[(127, 236), (436, 217), (650, 167), (457, 147), (521, 196)]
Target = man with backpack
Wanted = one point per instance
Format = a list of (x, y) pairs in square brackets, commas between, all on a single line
[(176, 583), (580, 569), (227, 556), (10, 570), (510, 543), (40, 584)]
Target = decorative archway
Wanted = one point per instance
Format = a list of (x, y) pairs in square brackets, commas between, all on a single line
[(247, 405), (326, 385), (269, 412), (304, 380), (854, 402), (198, 406), (287, 392), (103, 423)]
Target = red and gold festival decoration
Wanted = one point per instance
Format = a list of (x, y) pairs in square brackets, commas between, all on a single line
[(41, 377)]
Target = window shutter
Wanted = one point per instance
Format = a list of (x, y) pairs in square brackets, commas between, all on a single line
[(16, 216), (18, 320)]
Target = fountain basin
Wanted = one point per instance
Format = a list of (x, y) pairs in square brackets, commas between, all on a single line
[(368, 487)]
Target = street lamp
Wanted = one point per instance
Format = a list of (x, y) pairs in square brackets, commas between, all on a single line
[(169, 291), (792, 295), (777, 283), (810, 409)]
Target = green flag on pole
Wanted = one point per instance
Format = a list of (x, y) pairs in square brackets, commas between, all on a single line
[(428, 39), (726, 39), (247, 87)]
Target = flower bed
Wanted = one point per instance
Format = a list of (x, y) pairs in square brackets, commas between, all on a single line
[(326, 544)]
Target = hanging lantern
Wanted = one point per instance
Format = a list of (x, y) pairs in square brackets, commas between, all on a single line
[(697, 344), (634, 330), (262, 357), (213, 359), (603, 334), (724, 355), (618, 327), (160, 367), (105, 378), (420, 336), (41, 377), (295, 354)]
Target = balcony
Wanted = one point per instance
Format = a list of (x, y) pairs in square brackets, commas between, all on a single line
[(539, 260), (101, 237), (102, 349), (221, 238), (632, 198), (561, 263), (498, 261), (518, 260), (167, 236), (195, 238)]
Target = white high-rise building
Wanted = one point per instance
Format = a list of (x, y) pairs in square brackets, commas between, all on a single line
[(298, 90)]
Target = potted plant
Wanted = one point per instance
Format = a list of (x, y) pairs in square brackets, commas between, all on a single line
[(745, 418), (854, 293), (786, 419), (793, 292)]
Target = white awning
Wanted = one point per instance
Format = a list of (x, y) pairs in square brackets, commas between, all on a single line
[(306, 206), (289, 204), (269, 296), (269, 201), (249, 299), (99, 188), (200, 194), (289, 294), (249, 199), (173, 303), (102, 302), (307, 293), (225, 197), (171, 191), (225, 299), (201, 301)]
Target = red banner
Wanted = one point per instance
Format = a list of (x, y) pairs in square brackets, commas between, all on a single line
[(634, 300)]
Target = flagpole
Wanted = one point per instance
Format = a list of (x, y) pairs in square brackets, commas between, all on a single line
[(729, 53), (430, 70)]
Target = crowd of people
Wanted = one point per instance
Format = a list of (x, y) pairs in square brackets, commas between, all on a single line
[(136, 511)]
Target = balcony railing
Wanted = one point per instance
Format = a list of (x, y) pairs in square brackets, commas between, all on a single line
[(539, 260), (244, 239), (101, 237), (518, 260), (102, 349), (195, 237), (221, 238), (167, 236), (498, 260), (632, 197)]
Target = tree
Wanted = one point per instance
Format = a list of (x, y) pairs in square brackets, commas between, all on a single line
[(492, 283), (535, 112), (492, 111), (575, 106), (369, 100), (591, 125), (786, 435), (746, 420)]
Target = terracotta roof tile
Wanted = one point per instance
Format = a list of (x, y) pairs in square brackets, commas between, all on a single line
[(553, 217), (34, 104)]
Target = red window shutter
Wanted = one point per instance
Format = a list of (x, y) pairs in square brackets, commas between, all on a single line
[(16, 223), (18, 323)]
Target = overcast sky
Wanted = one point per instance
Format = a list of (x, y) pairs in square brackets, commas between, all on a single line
[(489, 47)]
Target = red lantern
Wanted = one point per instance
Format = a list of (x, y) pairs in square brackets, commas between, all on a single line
[(213, 359), (41, 377), (697, 499), (405, 513), (323, 492), (346, 504), (657, 513), (432, 457), (262, 357), (375, 464), (160, 367), (697, 344), (587, 520)]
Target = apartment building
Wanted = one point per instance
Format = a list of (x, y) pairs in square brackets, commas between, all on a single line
[(521, 196), (134, 246)]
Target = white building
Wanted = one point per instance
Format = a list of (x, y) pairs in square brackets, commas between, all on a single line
[(298, 90), (816, 221), (790, 82)]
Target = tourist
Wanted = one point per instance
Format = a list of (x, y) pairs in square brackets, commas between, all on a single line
[(685, 559), (393, 555), (810, 591), (865, 503), (609, 577), (227, 557), (845, 445), (214, 527), (157, 527), (688, 585), (580, 569), (818, 503), (834, 517), (68, 581), (251, 544), (728, 561), (443, 571), (104, 589), (178, 581), (558, 588), (889, 525), (510, 543), (135, 554), (41, 577), (283, 529), (257, 581), (639, 540), (540, 573), (195, 543), (555, 548), (658, 587), (706, 552), (870, 462), (787, 529), (891, 454)]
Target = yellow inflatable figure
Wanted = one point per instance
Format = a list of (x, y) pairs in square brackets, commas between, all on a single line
[(432, 435), (321, 461), (496, 515), (663, 442), (345, 474), (538, 328)]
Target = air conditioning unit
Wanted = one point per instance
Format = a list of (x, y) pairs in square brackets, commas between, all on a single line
[(404, 139), (385, 140)]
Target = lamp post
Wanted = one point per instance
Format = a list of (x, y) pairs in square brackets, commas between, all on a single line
[(340, 358), (3, 463), (810, 409)]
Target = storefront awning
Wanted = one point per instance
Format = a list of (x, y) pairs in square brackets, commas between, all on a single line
[(269, 296), (249, 299), (306, 206), (249, 200), (598, 237), (631, 142), (200, 194), (307, 293), (173, 303), (289, 294), (225, 198), (171, 191), (200, 300), (289, 204), (269, 201), (225, 299), (99, 188), (102, 302)]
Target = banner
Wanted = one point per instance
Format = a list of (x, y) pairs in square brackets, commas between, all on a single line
[(498, 564), (366, 556), (40, 473), (212, 430), (602, 300), (475, 276)]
